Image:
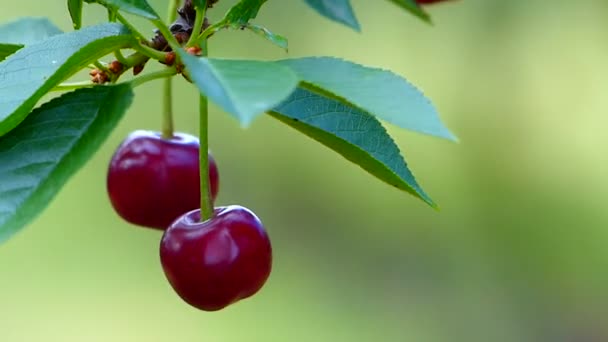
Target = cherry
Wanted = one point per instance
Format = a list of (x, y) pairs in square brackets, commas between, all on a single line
[(152, 181), (217, 262)]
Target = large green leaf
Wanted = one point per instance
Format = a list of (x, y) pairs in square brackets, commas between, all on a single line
[(25, 31), (14, 35), (8, 49), (378, 92), (354, 134), (39, 156), (413, 7), (53, 60), (75, 8), (242, 88), (337, 10), (136, 7)]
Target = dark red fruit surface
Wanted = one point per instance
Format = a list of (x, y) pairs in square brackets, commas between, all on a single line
[(215, 263), (152, 181)]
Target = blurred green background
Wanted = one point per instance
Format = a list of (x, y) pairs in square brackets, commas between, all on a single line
[(518, 252)]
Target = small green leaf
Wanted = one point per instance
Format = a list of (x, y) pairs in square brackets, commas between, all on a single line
[(238, 17), (356, 135), (54, 60), (8, 49), (413, 7), (242, 88), (75, 8), (378, 92), (276, 39), (41, 154), (26, 31), (136, 7), (243, 12), (339, 11)]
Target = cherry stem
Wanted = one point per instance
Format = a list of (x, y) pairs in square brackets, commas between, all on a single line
[(131, 28), (111, 15), (168, 72), (101, 66), (150, 52), (167, 124), (209, 31), (121, 58), (199, 19), (172, 10), (206, 204)]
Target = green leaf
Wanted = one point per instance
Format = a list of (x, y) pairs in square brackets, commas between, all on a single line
[(8, 49), (243, 12), (238, 17), (242, 88), (41, 154), (378, 92), (53, 60), (276, 39), (136, 7), (75, 8), (14, 35), (413, 7), (26, 31), (337, 10), (356, 135)]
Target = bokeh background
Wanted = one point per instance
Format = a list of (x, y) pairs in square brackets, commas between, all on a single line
[(517, 253)]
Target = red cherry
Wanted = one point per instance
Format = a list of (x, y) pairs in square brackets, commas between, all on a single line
[(152, 181), (215, 263)]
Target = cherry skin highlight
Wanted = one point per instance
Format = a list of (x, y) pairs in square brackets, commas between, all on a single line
[(217, 262), (152, 181)]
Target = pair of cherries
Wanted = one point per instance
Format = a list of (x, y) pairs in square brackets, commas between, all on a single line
[(154, 182)]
